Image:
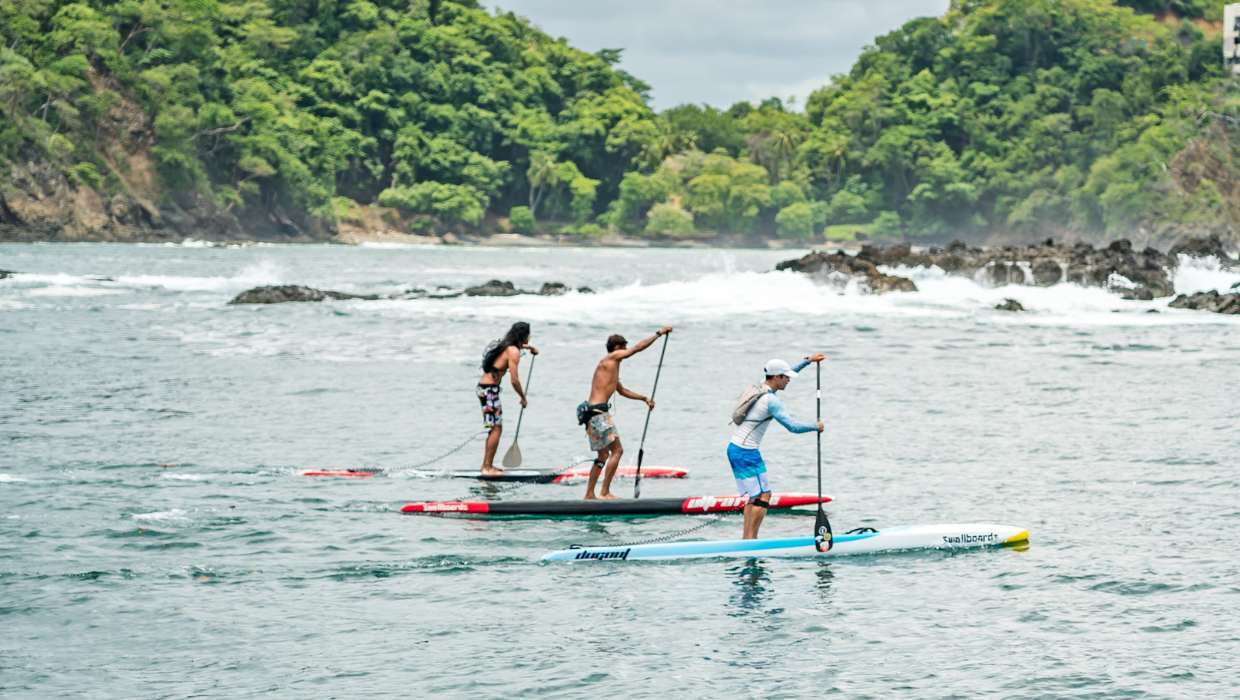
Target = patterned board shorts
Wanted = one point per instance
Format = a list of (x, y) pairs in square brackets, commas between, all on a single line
[(601, 429), (492, 410)]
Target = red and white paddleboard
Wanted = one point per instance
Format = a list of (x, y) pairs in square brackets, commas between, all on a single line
[(582, 473), (340, 472), (693, 505), (532, 476)]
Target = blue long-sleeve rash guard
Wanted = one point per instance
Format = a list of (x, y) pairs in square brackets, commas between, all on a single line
[(749, 433)]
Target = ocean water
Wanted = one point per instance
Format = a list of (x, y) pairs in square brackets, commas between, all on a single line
[(157, 539)]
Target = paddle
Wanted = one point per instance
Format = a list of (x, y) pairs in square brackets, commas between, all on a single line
[(512, 458), (822, 526), (641, 451)]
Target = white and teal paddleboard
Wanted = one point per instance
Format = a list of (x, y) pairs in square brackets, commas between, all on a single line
[(861, 541)]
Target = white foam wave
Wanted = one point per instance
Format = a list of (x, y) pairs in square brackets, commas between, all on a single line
[(10, 479), (393, 245), (261, 273), (163, 516), (184, 477), (141, 307), (710, 296), (55, 279), (58, 291), (221, 245), (1204, 274), (719, 295), (738, 298), (67, 285)]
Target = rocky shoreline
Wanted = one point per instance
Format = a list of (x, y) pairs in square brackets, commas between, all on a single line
[(1143, 275), (293, 293), (1134, 275), (1228, 303)]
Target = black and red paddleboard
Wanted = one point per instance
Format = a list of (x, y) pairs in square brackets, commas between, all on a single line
[(694, 505), (530, 476)]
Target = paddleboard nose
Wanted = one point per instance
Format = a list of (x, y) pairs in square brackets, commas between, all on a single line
[(1018, 538)]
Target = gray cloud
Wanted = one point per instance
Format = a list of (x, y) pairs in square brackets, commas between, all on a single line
[(722, 51)]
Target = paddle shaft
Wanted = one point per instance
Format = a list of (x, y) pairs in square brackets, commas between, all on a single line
[(823, 539), (529, 376), (512, 458), (641, 450), (818, 416)]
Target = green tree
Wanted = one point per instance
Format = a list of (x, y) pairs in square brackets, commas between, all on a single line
[(667, 219), (522, 219), (798, 220)]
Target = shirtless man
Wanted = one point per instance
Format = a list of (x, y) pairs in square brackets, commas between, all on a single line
[(501, 357), (595, 414)]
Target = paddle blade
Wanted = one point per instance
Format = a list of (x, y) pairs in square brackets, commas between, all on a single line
[(512, 458), (637, 483), (822, 532)]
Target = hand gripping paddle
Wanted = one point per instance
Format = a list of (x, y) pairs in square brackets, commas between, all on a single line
[(822, 526)]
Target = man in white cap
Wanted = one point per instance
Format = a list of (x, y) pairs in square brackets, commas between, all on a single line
[(747, 465)]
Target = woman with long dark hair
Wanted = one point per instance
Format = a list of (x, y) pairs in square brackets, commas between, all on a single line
[(502, 357)]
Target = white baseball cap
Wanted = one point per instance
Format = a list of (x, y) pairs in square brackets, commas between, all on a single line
[(778, 367)]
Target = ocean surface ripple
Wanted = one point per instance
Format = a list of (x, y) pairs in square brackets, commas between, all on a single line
[(158, 540)]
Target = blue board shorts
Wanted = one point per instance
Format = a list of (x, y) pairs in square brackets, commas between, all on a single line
[(749, 471)]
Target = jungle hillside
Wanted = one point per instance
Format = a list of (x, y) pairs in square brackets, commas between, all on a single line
[(295, 119)]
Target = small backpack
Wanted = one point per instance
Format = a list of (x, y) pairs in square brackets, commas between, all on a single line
[(746, 400)]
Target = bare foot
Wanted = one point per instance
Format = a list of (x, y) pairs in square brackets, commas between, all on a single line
[(591, 497), (492, 471), (608, 496)]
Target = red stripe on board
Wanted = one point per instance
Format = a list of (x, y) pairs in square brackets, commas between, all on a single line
[(447, 507), (340, 472)]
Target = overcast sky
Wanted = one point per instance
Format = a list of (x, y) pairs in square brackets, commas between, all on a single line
[(723, 51)]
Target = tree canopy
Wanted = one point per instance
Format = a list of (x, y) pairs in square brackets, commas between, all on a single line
[(1022, 116)]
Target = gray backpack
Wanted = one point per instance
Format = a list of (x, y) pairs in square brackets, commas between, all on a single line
[(746, 400)]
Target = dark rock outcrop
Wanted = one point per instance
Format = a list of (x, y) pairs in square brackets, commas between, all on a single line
[(440, 292), (285, 293), (1047, 272), (1009, 305), (493, 288), (1201, 247), (1209, 301), (1137, 294), (839, 267), (281, 294), (1044, 264), (503, 288)]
